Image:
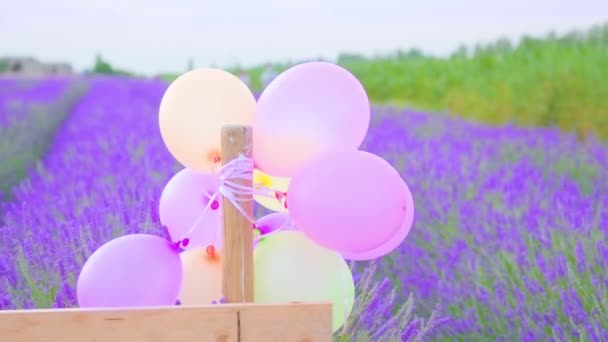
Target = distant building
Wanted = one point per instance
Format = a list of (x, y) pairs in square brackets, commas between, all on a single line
[(28, 66)]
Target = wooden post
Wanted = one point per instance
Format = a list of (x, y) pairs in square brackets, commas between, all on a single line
[(237, 230)]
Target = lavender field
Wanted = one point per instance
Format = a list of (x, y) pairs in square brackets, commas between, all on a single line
[(508, 242), (30, 112)]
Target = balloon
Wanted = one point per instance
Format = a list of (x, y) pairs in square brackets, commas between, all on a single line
[(202, 283), (308, 110), (288, 267), (193, 110), (352, 202), (181, 204), (275, 183), (394, 242), (131, 271), (272, 222)]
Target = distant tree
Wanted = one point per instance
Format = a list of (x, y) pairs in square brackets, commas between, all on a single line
[(599, 34), (460, 52), (101, 66), (503, 45), (350, 57), (3, 66), (480, 49), (411, 53)]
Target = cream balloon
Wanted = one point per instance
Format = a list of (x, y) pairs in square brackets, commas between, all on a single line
[(193, 110), (274, 183), (202, 277)]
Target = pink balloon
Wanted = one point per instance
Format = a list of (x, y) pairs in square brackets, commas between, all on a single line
[(272, 222), (184, 200), (308, 110), (353, 202), (394, 242), (131, 271)]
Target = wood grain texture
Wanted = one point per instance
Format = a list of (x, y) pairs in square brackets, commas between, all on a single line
[(304, 322), (237, 251), (213, 324), (293, 322)]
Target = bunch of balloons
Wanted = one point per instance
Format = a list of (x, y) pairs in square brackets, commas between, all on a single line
[(332, 201)]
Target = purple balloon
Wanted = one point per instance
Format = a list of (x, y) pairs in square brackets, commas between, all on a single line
[(272, 222), (353, 202), (131, 271), (310, 109), (182, 202)]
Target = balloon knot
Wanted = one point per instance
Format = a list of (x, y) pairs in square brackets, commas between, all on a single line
[(215, 158), (185, 242), (210, 250), (220, 301), (215, 205)]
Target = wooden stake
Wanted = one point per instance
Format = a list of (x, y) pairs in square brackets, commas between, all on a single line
[(237, 250)]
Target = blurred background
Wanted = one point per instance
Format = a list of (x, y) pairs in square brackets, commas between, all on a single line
[(529, 62)]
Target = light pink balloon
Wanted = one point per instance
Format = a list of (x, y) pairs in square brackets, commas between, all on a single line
[(310, 109), (353, 202), (131, 271), (395, 241), (182, 202), (272, 222)]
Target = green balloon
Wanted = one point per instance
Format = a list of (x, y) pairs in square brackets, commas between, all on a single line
[(289, 267)]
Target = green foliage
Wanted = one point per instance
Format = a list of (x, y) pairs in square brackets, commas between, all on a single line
[(103, 67), (554, 81), (3, 66)]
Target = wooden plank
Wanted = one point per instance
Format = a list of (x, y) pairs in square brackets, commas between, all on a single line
[(237, 251), (295, 322), (218, 323)]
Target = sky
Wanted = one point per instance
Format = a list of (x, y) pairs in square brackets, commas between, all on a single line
[(153, 36)]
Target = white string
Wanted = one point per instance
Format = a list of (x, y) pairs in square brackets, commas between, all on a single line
[(240, 168)]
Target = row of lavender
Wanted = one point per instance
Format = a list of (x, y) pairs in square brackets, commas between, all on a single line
[(101, 179), (510, 229), (31, 110)]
